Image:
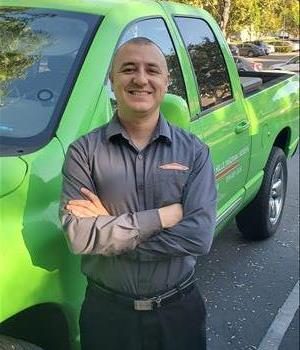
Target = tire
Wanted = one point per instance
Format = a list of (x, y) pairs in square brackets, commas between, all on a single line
[(8, 343), (261, 218), (250, 53)]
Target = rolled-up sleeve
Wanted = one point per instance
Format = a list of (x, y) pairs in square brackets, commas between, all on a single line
[(193, 235), (105, 235)]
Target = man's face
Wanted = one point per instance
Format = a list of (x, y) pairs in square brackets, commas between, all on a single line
[(139, 79)]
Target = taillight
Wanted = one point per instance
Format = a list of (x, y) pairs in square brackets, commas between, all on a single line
[(257, 66)]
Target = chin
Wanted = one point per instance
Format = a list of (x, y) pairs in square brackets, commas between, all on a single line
[(141, 108)]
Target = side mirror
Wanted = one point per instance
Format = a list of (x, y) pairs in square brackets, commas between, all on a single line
[(175, 109)]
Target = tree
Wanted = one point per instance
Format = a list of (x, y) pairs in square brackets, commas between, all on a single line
[(244, 14), (219, 9), (19, 46), (225, 15), (261, 16), (290, 17)]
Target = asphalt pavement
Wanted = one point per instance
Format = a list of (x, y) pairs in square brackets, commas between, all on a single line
[(274, 58), (248, 286)]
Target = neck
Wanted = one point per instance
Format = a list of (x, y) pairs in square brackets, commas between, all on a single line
[(139, 127)]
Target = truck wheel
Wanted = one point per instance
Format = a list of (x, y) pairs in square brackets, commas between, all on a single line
[(261, 218), (8, 343)]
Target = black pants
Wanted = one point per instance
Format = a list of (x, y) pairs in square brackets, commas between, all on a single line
[(109, 325)]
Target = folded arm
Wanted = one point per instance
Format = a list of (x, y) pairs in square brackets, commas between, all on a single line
[(89, 228), (193, 235)]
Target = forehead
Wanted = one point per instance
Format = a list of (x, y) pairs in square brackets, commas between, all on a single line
[(140, 53)]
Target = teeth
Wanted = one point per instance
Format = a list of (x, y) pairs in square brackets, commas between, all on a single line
[(139, 93)]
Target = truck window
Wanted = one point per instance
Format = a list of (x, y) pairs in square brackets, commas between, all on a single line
[(156, 30), (41, 53), (207, 60)]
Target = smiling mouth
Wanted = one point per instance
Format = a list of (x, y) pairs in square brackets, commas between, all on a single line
[(139, 93)]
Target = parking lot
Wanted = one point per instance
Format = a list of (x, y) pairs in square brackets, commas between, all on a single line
[(274, 58), (251, 287)]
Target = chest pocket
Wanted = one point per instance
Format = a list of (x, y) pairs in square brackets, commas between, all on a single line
[(168, 186)]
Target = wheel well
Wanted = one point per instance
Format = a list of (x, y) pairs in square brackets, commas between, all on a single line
[(283, 140), (44, 325)]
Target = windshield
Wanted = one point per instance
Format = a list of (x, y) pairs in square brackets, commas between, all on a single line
[(40, 54)]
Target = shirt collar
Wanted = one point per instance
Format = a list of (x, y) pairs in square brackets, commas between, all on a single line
[(115, 128), (162, 129)]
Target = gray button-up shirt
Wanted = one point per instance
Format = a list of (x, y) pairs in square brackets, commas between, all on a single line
[(129, 251)]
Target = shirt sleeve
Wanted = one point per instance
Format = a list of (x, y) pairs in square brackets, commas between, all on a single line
[(105, 235), (193, 235)]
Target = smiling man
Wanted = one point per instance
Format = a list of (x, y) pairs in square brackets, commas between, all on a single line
[(139, 204)]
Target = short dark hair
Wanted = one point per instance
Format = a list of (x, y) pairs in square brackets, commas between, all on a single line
[(139, 40)]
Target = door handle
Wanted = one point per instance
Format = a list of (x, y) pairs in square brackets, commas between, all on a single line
[(242, 126)]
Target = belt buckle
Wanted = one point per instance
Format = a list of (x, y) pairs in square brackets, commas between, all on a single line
[(143, 305)]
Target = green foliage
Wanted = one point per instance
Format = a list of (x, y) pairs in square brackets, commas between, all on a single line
[(282, 46), (291, 18), (263, 16), (19, 46), (198, 3), (212, 79), (176, 86), (283, 49)]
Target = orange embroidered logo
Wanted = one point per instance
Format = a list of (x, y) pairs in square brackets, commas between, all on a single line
[(173, 166)]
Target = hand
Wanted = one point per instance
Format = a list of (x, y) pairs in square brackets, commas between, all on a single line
[(170, 215), (83, 208)]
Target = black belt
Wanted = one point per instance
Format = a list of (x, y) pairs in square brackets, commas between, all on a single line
[(146, 304)]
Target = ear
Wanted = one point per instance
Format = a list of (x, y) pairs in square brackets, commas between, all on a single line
[(168, 82)]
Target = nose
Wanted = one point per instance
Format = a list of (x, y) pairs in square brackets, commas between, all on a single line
[(140, 78)]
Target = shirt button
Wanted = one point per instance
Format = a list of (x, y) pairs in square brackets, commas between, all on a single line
[(140, 156)]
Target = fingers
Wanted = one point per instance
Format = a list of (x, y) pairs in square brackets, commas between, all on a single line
[(82, 203), (95, 200), (91, 196), (92, 204), (80, 211), (78, 214), (87, 205)]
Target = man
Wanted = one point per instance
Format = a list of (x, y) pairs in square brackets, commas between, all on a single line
[(139, 204)]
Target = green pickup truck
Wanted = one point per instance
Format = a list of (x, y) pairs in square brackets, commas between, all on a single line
[(54, 61)]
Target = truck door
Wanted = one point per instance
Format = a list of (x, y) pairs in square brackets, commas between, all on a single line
[(222, 121)]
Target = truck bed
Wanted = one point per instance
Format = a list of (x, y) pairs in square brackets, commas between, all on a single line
[(257, 81)]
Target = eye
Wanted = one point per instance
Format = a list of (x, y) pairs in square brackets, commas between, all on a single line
[(154, 71), (127, 70)]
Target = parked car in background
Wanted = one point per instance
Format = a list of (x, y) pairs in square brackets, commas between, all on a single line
[(292, 65), (234, 50), (267, 48), (295, 43), (247, 64), (251, 50), (283, 35)]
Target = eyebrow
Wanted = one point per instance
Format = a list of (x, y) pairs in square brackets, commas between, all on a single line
[(134, 63)]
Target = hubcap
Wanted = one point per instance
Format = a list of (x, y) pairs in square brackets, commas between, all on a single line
[(276, 194)]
